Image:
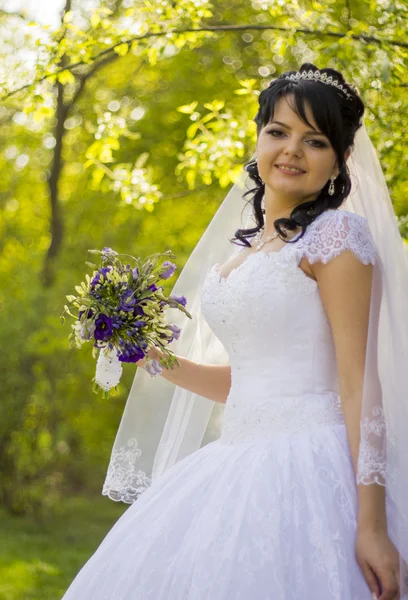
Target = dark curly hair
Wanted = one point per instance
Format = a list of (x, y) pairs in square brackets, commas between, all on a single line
[(337, 116)]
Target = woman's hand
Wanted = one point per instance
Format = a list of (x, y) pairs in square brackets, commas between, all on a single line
[(379, 561), (152, 353)]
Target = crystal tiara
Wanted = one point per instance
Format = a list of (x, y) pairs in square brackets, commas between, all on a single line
[(317, 76)]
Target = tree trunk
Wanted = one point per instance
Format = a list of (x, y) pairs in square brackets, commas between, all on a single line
[(56, 223)]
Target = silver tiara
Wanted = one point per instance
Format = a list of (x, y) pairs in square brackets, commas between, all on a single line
[(317, 76)]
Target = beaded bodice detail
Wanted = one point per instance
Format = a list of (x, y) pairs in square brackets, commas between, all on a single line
[(269, 316)]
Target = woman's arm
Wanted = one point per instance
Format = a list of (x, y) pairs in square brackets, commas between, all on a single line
[(345, 288), (211, 381)]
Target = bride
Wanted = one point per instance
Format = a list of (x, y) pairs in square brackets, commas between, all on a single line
[(275, 471)]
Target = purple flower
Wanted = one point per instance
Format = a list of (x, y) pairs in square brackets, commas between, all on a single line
[(127, 300), (175, 300), (153, 288), (107, 250), (135, 273), (169, 269), (88, 315), (153, 367), (139, 310), (139, 323), (97, 277), (131, 354), (116, 322), (103, 327), (175, 332)]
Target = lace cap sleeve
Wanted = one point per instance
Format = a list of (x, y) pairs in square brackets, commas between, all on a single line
[(335, 231)]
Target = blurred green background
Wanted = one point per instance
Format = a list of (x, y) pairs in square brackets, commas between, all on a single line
[(124, 124)]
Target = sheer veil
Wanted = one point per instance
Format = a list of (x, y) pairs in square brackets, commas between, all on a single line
[(162, 423)]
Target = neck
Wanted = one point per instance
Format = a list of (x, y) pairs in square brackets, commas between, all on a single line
[(276, 208)]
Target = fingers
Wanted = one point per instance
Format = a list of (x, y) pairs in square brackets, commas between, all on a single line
[(389, 589), (371, 580), (390, 586)]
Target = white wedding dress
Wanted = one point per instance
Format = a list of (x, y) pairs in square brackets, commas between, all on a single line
[(267, 511)]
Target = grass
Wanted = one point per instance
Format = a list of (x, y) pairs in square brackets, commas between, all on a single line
[(38, 562)]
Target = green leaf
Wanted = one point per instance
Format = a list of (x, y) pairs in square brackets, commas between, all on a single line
[(68, 16), (97, 177), (190, 178), (208, 117), (95, 20), (188, 109), (215, 105), (192, 130), (122, 49), (66, 77), (224, 180), (113, 142), (105, 155)]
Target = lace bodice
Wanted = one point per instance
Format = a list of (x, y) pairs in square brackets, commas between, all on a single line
[(269, 316)]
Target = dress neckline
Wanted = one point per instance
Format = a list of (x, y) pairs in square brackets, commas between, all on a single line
[(238, 267), (221, 279)]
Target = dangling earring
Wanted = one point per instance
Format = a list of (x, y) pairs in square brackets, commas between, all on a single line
[(331, 187)]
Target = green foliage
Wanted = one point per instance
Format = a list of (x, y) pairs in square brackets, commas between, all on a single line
[(126, 133), (214, 143), (38, 561)]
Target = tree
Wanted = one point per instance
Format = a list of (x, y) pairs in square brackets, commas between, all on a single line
[(123, 128)]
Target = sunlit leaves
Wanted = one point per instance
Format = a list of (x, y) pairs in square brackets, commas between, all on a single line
[(183, 10), (188, 109), (65, 77), (131, 181), (100, 18), (248, 87), (216, 143), (149, 132), (121, 49), (134, 186)]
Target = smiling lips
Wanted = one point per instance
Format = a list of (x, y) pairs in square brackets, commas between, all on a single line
[(289, 170)]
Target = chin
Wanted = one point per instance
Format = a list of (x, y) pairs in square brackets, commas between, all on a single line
[(290, 187)]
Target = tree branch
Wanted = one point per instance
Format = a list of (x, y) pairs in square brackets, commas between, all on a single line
[(216, 28), (56, 222), (348, 11), (84, 78), (62, 112)]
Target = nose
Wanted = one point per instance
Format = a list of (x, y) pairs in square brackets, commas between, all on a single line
[(293, 146)]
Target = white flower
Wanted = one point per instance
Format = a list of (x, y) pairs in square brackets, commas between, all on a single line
[(83, 331), (77, 329)]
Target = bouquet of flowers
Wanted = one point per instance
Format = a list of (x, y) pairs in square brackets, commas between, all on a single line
[(121, 310)]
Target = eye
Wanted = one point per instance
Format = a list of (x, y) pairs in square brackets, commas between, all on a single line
[(272, 131), (318, 143)]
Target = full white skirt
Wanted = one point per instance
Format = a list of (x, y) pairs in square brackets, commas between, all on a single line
[(266, 520)]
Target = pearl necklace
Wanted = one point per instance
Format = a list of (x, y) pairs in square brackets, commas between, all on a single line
[(260, 243)]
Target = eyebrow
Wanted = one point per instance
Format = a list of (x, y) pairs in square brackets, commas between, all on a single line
[(312, 131)]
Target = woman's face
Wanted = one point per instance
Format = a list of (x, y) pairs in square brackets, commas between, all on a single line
[(293, 142)]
